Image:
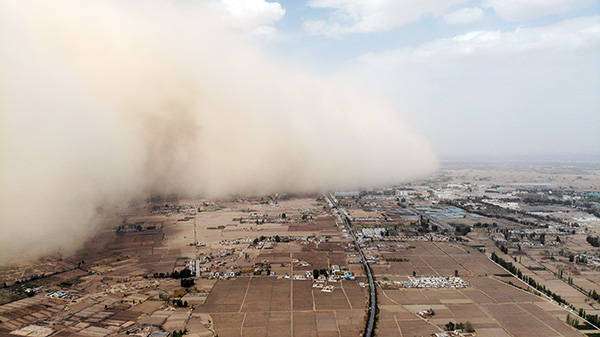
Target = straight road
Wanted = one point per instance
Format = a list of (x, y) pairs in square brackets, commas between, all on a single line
[(370, 327)]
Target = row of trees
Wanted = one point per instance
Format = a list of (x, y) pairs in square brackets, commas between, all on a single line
[(317, 272), (179, 333), (574, 322), (275, 238), (179, 303), (187, 282), (466, 327), (184, 273), (593, 319), (532, 282)]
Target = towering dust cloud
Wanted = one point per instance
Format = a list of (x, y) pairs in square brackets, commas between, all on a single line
[(105, 101)]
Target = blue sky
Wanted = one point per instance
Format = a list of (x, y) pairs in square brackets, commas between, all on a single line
[(477, 78)]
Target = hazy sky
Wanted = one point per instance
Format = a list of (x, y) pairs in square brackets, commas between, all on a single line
[(106, 101), (478, 78), (103, 102)]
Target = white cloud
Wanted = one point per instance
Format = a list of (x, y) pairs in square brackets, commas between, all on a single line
[(523, 91), (522, 10), (568, 35), (464, 15), (255, 16), (359, 16)]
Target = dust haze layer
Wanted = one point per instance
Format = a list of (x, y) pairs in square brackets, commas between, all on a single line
[(104, 102)]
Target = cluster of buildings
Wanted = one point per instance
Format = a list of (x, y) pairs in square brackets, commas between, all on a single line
[(59, 294), (455, 333), (222, 276), (434, 282), (373, 232)]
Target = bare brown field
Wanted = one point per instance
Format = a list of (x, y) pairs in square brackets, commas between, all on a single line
[(228, 324), (303, 299), (267, 294), (350, 322), (225, 296), (331, 301), (478, 264), (490, 304), (407, 328), (500, 292), (317, 260), (427, 259), (355, 293), (554, 324), (443, 265), (263, 308), (518, 321)]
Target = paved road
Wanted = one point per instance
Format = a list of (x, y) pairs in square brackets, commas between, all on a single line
[(370, 327)]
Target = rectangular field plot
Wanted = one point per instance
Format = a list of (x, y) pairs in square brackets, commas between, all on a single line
[(350, 322), (443, 265), (355, 294), (305, 323), (264, 303), (334, 300), (225, 296), (517, 321), (554, 323), (228, 324), (478, 265), (417, 327), (303, 299), (501, 292), (267, 294), (266, 324), (316, 260)]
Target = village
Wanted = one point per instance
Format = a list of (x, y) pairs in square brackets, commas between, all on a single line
[(448, 258)]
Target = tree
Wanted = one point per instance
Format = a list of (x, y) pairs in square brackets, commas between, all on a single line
[(315, 273), (283, 216), (469, 327), (277, 238), (594, 241), (455, 273), (449, 326), (185, 273), (414, 273), (187, 282)]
